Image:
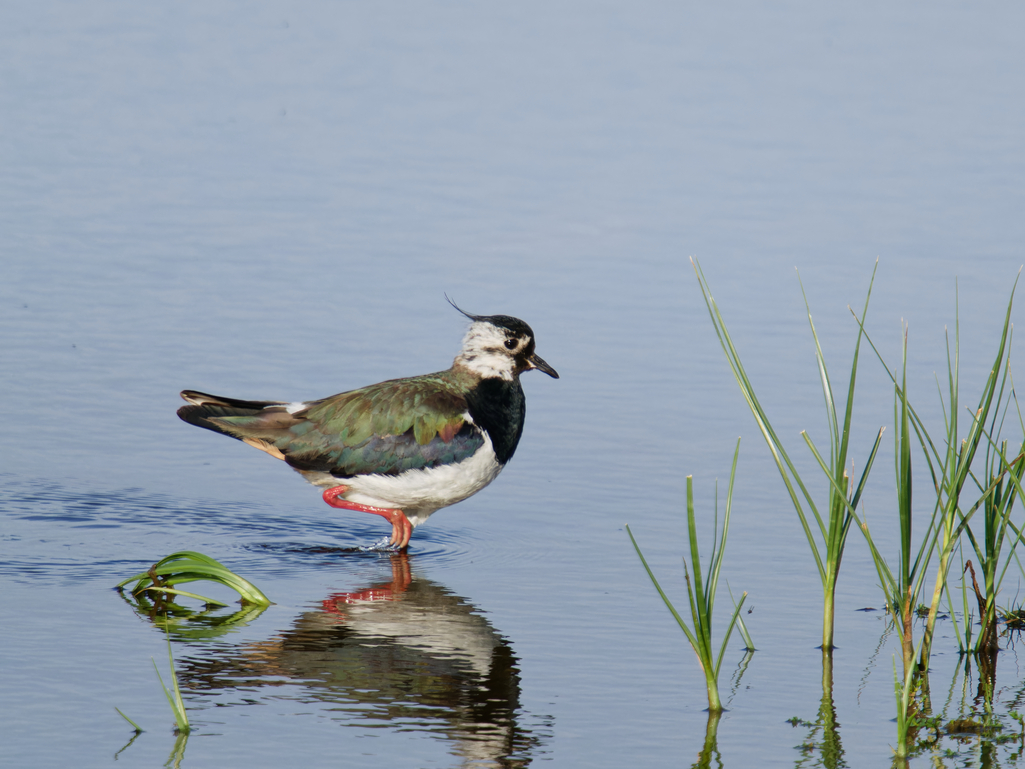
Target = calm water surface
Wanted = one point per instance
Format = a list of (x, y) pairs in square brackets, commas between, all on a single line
[(271, 201)]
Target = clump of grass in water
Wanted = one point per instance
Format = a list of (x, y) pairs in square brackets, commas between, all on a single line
[(997, 502), (902, 588), (190, 566), (949, 468), (955, 467), (701, 593), (843, 495), (1013, 618), (178, 568)]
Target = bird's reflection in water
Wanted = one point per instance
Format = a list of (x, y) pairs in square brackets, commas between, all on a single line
[(403, 653)]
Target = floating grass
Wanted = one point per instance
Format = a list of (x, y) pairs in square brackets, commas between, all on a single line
[(1013, 618), (701, 592), (159, 583), (826, 535), (189, 566)]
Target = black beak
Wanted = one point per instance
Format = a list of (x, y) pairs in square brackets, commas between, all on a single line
[(537, 362)]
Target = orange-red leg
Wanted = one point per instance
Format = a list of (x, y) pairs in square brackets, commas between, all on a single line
[(401, 528)]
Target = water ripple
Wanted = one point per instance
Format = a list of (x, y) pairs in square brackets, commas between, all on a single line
[(258, 537)]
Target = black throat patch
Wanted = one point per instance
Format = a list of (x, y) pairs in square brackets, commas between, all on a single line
[(497, 406)]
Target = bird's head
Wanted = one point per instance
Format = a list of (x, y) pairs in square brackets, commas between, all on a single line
[(499, 346)]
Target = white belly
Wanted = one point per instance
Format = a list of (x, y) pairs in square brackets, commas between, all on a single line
[(418, 493)]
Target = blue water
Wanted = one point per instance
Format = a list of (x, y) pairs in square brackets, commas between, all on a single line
[(271, 201)]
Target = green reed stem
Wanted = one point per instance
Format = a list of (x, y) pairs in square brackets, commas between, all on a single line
[(900, 588), (701, 592), (174, 695), (998, 501), (1004, 483), (828, 537), (958, 465), (949, 469)]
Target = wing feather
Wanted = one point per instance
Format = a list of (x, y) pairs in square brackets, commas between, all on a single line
[(387, 428)]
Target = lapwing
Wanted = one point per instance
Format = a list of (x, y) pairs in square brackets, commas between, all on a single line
[(404, 448)]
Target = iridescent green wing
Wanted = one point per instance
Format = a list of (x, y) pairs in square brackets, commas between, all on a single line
[(386, 428)]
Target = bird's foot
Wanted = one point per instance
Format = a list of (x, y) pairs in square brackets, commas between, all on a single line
[(401, 530)]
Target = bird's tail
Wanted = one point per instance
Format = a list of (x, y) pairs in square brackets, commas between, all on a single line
[(203, 408)]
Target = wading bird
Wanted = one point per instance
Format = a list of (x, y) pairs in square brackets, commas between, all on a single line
[(403, 448)]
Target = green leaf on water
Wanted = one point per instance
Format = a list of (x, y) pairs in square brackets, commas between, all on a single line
[(189, 566)]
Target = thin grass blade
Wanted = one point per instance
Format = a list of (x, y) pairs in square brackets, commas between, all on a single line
[(126, 718), (665, 598)]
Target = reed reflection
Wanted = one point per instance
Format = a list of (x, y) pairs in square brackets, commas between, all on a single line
[(822, 746), (710, 748), (401, 653)]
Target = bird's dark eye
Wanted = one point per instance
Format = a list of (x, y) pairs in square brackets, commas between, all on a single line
[(510, 344)]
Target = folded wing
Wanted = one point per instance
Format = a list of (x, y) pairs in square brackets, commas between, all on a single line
[(387, 428)]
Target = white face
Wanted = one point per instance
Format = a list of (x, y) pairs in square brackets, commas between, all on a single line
[(490, 351)]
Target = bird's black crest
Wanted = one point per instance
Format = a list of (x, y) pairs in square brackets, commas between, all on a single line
[(515, 325)]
